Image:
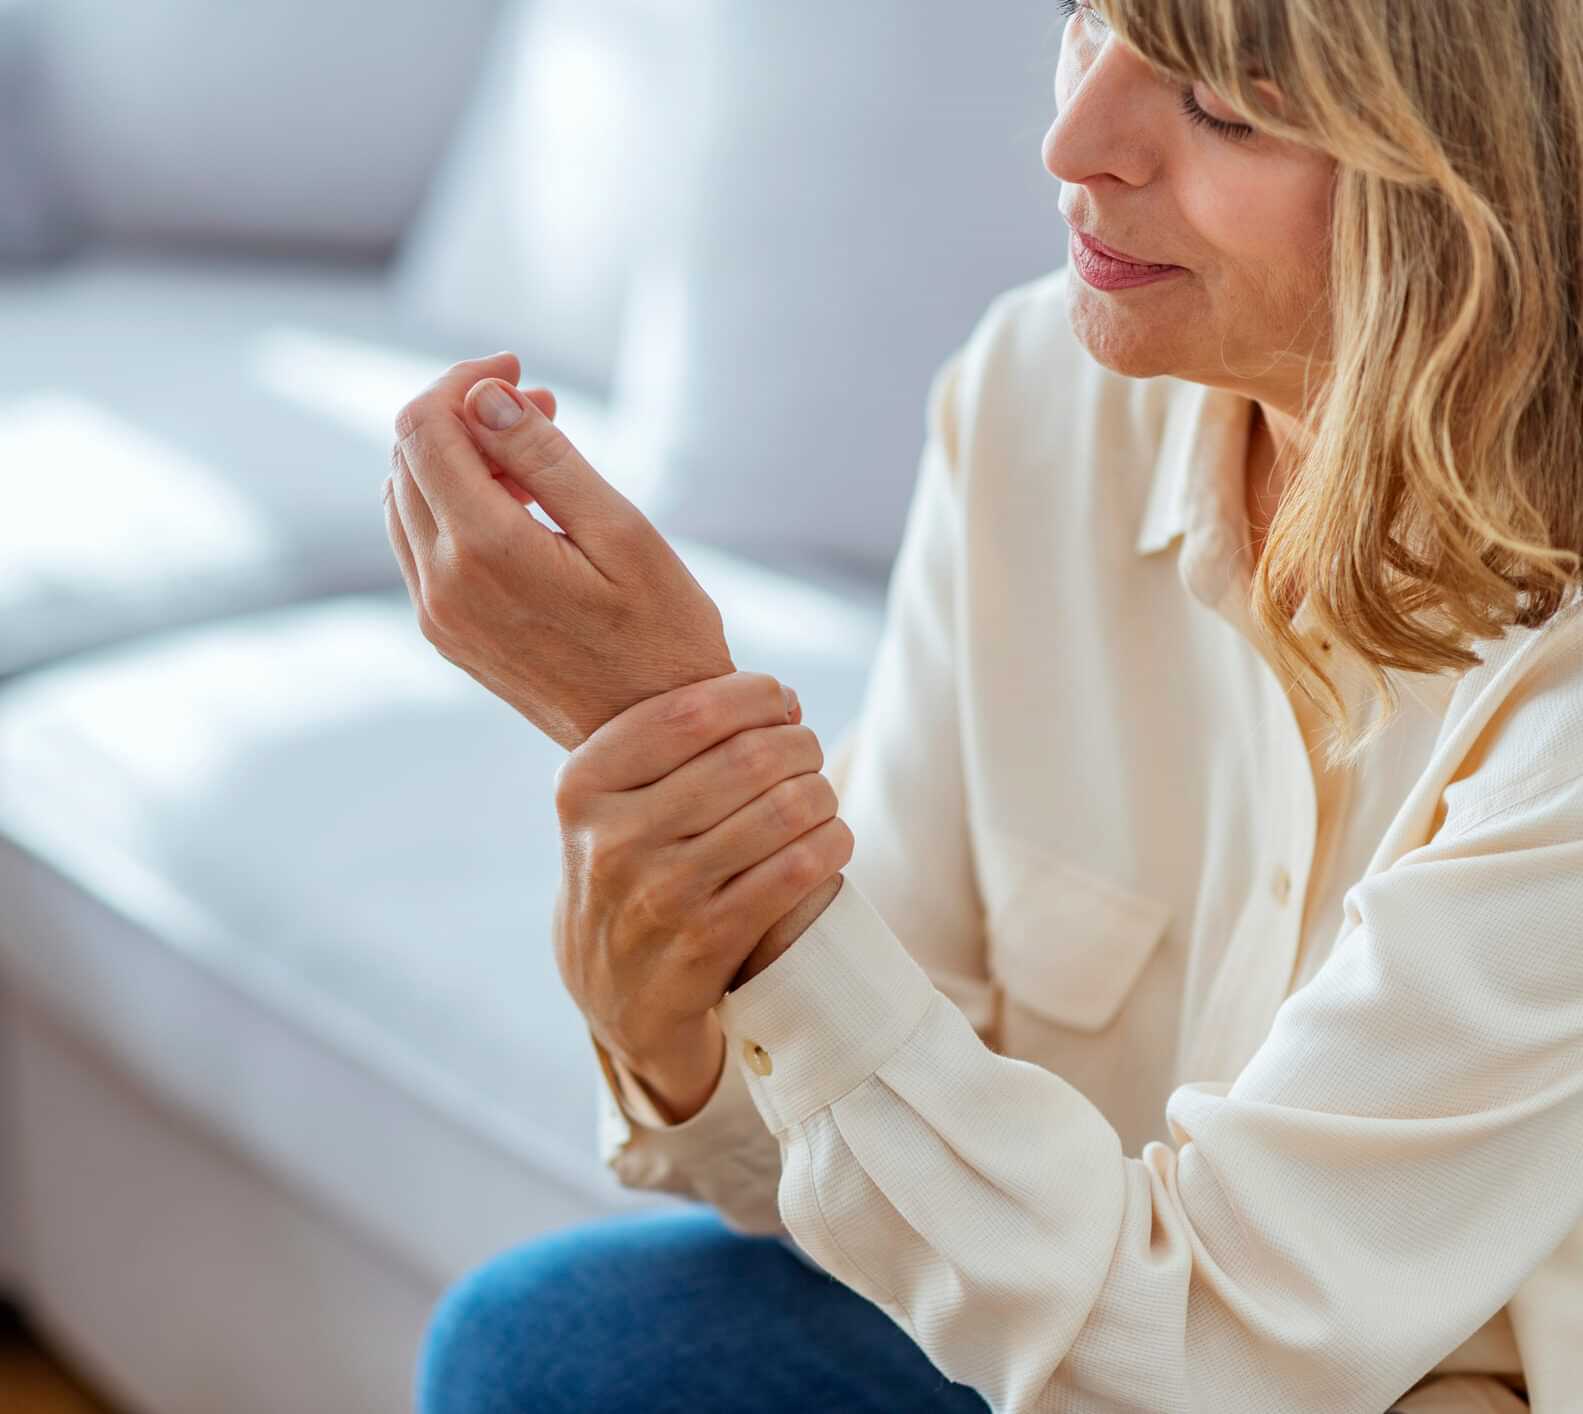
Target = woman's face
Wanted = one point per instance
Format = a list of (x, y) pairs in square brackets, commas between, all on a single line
[(1246, 216)]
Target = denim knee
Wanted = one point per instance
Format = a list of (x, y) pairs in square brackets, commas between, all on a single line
[(470, 1359), (534, 1328)]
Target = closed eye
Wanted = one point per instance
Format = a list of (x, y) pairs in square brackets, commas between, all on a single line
[(1237, 132)]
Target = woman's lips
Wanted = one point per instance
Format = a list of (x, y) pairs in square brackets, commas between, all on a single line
[(1106, 270)]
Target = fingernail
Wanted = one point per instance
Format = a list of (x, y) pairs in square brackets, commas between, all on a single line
[(496, 408), (791, 701)]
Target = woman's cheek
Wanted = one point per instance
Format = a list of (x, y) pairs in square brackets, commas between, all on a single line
[(1229, 213)]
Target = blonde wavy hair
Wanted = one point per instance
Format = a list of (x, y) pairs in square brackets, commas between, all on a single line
[(1441, 497)]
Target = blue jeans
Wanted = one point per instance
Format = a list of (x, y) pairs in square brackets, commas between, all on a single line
[(669, 1312)]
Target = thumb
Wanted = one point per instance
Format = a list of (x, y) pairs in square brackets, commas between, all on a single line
[(544, 400), (513, 431)]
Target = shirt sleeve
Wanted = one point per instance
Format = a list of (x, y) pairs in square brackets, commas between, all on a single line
[(723, 1155), (1320, 1233), (924, 878)]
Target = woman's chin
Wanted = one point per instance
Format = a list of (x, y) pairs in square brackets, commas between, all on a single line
[(1127, 339)]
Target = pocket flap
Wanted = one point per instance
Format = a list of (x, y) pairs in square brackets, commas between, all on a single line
[(1070, 944)]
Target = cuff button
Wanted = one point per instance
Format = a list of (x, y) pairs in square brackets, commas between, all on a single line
[(757, 1057)]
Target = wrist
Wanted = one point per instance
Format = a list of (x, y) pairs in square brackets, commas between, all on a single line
[(681, 1076), (787, 930)]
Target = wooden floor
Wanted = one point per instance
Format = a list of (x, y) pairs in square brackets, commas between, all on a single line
[(34, 1382)]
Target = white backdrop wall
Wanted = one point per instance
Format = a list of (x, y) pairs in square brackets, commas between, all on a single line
[(548, 197), (860, 181), (762, 226), (304, 122)]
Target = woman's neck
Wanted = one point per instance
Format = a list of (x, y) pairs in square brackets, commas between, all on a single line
[(1265, 472)]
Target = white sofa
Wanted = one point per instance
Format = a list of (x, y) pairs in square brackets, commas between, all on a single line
[(288, 1047), (284, 1049)]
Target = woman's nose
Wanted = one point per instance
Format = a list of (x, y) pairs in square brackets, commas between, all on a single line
[(1108, 119)]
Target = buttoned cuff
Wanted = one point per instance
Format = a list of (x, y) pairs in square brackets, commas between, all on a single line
[(826, 1014), (728, 1118)]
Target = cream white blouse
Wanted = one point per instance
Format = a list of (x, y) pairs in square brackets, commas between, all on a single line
[(1141, 1063)]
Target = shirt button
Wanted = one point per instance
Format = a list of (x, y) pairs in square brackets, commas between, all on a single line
[(757, 1057), (1280, 885)]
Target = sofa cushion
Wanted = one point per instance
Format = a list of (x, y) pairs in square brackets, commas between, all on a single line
[(180, 440), (304, 823), (850, 185), (529, 233)]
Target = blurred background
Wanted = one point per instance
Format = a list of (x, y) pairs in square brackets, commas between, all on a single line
[(283, 1051)]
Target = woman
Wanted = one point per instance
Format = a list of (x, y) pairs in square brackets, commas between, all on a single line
[(1197, 1023)]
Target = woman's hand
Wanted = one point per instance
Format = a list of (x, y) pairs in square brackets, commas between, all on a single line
[(570, 626), (690, 824)]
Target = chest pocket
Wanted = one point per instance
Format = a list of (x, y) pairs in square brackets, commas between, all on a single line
[(1069, 945)]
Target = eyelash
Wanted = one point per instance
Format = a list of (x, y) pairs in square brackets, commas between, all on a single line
[(1235, 132)]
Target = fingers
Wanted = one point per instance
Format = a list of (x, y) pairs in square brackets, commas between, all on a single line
[(510, 487), (522, 442), (399, 543), (416, 518), (648, 741), (544, 400), (718, 783), (758, 898), (451, 386), (788, 810), (443, 457)]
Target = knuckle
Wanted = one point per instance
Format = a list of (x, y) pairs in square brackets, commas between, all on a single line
[(786, 807), (487, 361), (774, 696), (630, 527), (651, 902), (535, 447), (749, 754), (609, 853), (795, 804), (631, 543), (409, 419), (692, 714), (807, 743), (822, 797), (699, 941), (569, 792), (712, 928), (461, 552), (439, 604), (803, 866), (842, 842), (543, 441)]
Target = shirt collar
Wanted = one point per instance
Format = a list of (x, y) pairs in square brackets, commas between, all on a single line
[(1198, 476), (1198, 494)]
